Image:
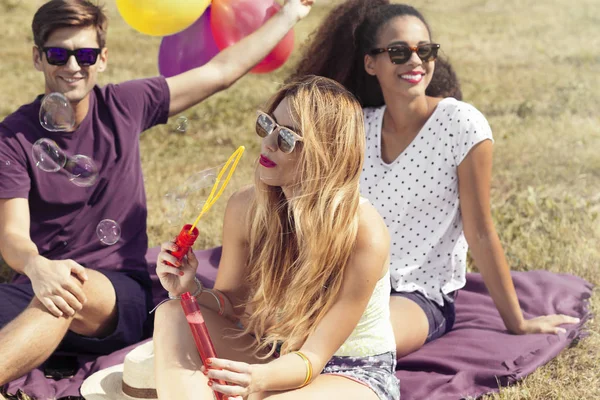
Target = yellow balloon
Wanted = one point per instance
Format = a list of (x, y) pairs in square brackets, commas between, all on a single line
[(161, 17)]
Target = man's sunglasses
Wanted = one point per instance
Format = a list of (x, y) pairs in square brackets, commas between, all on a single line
[(59, 56), (400, 54), (286, 139)]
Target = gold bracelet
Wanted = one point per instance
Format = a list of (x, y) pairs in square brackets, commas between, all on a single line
[(309, 369)]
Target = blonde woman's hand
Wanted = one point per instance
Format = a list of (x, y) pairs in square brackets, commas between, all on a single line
[(547, 324), (239, 376), (298, 9), (177, 278)]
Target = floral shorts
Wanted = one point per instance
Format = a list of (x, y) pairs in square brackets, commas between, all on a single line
[(376, 372)]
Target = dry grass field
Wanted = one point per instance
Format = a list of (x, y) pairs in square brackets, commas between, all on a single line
[(532, 67)]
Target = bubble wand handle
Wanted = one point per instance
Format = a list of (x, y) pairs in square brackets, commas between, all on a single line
[(184, 241), (205, 347)]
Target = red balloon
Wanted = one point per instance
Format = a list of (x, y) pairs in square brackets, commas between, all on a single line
[(232, 20)]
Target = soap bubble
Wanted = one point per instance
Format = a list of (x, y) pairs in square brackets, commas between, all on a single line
[(201, 180), (174, 204), (187, 200), (181, 124), (56, 113), (108, 231), (82, 170), (48, 156)]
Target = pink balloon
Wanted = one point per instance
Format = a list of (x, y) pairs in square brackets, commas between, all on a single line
[(188, 49), (232, 20)]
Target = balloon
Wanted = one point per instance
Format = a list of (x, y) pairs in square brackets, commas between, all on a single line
[(161, 17), (232, 20), (187, 49)]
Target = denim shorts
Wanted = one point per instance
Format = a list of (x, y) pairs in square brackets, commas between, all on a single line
[(375, 372), (441, 318)]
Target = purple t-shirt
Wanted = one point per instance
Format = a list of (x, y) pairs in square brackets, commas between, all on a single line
[(64, 216)]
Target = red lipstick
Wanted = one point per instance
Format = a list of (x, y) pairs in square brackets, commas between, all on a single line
[(266, 162)]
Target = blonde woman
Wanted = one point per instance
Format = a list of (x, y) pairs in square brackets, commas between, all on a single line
[(304, 271)]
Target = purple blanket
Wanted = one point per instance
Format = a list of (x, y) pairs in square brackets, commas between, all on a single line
[(469, 361)]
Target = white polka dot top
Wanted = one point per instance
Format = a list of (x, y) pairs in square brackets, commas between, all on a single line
[(417, 196)]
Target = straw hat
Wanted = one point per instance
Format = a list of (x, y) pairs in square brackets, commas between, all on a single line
[(134, 379)]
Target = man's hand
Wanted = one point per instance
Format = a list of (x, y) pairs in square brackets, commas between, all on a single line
[(58, 285), (298, 8)]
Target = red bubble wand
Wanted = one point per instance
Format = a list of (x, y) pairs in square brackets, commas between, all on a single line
[(189, 232), (184, 241), (200, 333)]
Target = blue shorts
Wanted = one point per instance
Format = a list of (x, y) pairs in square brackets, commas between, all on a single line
[(375, 372), (441, 318), (134, 300)]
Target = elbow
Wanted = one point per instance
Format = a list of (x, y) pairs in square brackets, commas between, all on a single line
[(226, 76), (225, 83), (478, 236)]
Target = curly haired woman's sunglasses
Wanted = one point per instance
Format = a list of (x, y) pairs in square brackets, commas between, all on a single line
[(400, 53), (286, 139)]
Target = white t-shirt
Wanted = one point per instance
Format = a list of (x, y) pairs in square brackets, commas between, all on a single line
[(417, 196)]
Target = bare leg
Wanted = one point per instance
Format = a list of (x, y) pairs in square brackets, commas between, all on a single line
[(410, 325), (28, 340), (323, 387), (177, 363)]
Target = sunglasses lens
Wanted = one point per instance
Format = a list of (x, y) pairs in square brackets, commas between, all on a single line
[(56, 56), (286, 140), (86, 56), (264, 125), (427, 52), (399, 54)]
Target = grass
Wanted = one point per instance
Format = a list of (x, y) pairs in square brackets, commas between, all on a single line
[(531, 67)]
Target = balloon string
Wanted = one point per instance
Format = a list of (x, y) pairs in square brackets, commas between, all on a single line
[(212, 197)]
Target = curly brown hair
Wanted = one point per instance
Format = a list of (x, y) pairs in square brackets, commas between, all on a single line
[(349, 32)]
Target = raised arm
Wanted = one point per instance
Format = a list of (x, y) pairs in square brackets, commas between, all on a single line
[(474, 174), (191, 87)]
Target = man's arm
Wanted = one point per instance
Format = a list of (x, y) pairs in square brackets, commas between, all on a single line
[(193, 86), (15, 244), (57, 284)]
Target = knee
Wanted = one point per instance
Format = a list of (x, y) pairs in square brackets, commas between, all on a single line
[(163, 318), (259, 396), (37, 305), (99, 314)]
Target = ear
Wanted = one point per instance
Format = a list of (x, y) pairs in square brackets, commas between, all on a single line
[(370, 65), (37, 59), (102, 60)]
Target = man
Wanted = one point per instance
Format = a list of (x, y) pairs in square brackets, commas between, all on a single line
[(73, 292)]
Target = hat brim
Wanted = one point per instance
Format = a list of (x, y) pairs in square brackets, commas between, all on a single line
[(104, 385)]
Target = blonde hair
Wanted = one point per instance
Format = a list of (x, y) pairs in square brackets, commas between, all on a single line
[(299, 247)]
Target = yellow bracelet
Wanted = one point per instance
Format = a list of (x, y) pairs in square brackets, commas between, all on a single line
[(309, 369)]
